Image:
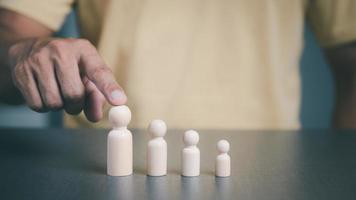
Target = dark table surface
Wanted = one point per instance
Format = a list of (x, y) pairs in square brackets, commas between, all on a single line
[(71, 164)]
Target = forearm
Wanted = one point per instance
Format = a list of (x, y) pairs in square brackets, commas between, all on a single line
[(54, 73), (13, 28)]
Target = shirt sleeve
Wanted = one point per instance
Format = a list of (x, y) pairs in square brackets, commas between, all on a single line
[(333, 21), (50, 13)]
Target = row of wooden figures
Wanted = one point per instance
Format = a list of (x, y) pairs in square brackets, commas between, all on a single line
[(119, 151)]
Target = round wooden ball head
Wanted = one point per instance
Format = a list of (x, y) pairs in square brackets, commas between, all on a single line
[(119, 116), (223, 146), (191, 138), (157, 128)]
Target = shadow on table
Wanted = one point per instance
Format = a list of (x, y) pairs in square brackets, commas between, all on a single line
[(157, 187), (47, 151), (120, 187)]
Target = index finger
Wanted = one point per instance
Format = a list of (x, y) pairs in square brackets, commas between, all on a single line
[(101, 75)]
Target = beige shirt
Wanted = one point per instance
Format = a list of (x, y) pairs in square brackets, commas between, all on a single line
[(213, 64)]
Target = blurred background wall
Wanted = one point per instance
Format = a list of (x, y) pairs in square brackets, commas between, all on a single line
[(317, 89)]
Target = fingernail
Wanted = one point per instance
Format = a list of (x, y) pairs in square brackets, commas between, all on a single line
[(118, 95)]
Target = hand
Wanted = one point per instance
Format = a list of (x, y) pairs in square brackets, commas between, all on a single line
[(68, 74)]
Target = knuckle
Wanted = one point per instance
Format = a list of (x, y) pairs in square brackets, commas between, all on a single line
[(109, 86), (59, 49), (73, 110), (100, 71), (62, 65), (18, 71), (36, 106), (74, 96), (57, 43), (38, 57), (84, 42), (53, 102), (54, 105), (19, 75), (85, 46)]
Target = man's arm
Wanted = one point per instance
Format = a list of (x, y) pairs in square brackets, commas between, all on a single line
[(52, 73), (343, 64), (13, 28)]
